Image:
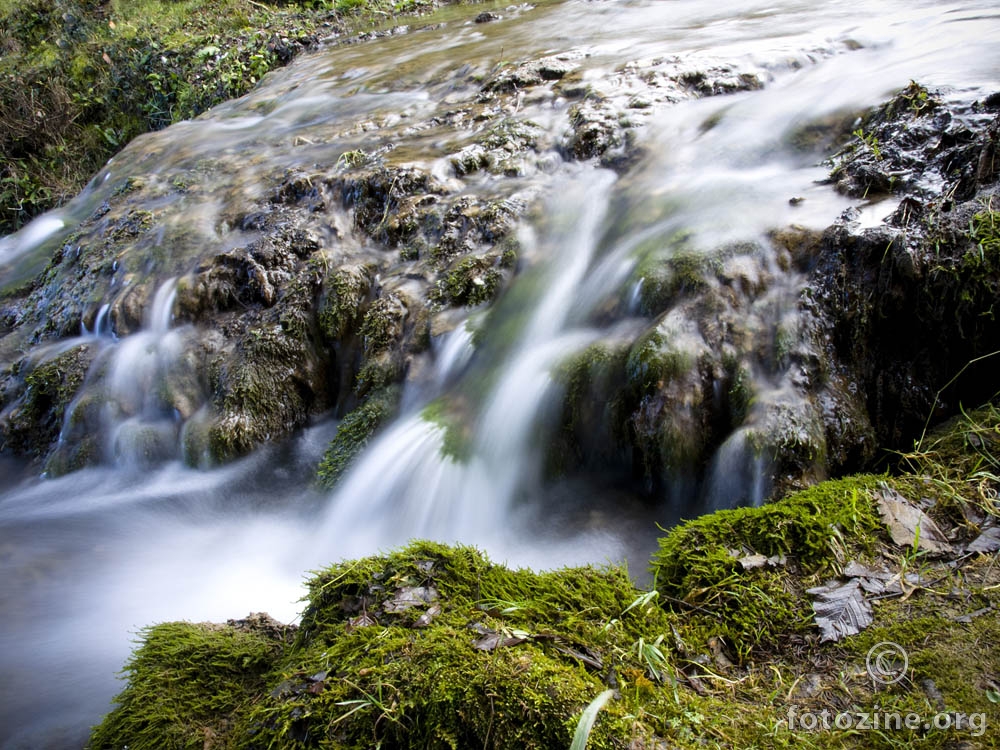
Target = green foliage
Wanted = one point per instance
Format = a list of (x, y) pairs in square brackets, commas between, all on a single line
[(985, 232), (587, 719), (869, 140), (80, 78), (356, 429)]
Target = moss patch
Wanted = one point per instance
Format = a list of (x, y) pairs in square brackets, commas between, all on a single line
[(186, 684), (698, 563), (355, 431), (37, 416)]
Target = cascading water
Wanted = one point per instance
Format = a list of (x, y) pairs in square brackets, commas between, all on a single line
[(90, 557), (407, 485)]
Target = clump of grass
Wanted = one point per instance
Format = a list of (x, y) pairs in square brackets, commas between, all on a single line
[(961, 459)]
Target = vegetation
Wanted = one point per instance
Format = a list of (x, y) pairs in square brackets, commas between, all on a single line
[(356, 429), (435, 646), (80, 78)]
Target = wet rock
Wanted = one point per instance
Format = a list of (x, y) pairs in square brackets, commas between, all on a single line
[(596, 128), (37, 398), (532, 73)]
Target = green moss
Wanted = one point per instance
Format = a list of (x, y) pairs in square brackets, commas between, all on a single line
[(382, 324), (652, 361), (37, 416), (265, 360), (470, 282), (355, 431), (697, 564), (456, 438), (186, 687), (346, 293), (590, 427), (672, 268), (412, 678), (430, 646)]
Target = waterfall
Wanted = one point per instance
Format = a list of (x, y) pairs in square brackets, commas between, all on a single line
[(89, 558), (406, 485)]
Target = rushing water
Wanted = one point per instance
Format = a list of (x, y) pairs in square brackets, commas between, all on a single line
[(90, 558)]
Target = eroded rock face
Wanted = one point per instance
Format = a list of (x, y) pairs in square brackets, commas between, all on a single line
[(311, 289), (906, 306), (888, 316), (317, 286)]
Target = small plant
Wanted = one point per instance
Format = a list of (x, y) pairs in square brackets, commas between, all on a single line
[(352, 159), (653, 657), (870, 140), (587, 719)]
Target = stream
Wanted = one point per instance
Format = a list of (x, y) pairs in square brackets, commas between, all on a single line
[(90, 558)]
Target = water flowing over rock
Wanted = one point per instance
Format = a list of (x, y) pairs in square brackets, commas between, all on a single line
[(525, 284)]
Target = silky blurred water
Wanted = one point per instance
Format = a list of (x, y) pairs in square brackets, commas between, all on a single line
[(88, 559)]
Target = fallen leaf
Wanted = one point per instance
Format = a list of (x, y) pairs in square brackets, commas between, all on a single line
[(840, 609), (428, 617), (498, 640), (908, 525), (986, 542), (753, 561), (363, 620), (409, 597)]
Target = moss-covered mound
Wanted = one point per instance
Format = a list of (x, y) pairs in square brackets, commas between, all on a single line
[(436, 646)]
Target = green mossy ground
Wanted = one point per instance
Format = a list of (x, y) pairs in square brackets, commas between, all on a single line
[(435, 646)]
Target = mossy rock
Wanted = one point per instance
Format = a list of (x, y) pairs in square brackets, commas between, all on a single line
[(430, 646), (347, 292), (591, 426), (698, 563), (471, 281), (35, 419), (186, 684), (355, 431), (266, 386)]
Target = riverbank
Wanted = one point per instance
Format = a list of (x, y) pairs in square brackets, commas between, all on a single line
[(79, 79)]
